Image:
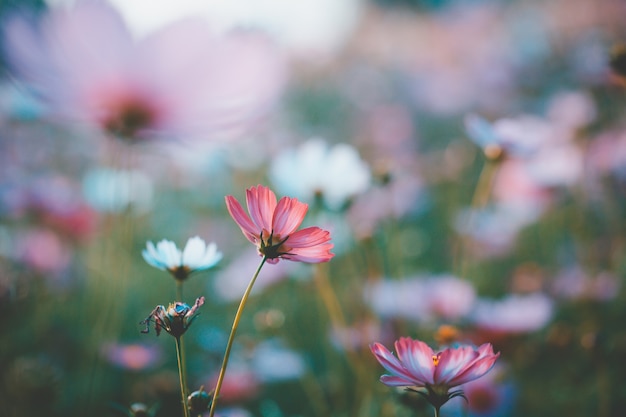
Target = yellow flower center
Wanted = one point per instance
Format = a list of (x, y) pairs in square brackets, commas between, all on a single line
[(436, 359)]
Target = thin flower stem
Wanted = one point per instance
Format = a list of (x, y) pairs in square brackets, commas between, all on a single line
[(479, 201), (231, 337), (181, 375), (436, 411), (180, 343), (485, 183), (179, 291)]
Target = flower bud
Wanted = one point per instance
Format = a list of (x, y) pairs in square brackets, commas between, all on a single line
[(199, 401), (175, 319)]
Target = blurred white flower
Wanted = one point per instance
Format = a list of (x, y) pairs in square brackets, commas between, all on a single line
[(336, 174), (272, 362), (397, 298), (518, 137), (111, 190), (309, 28), (197, 256)]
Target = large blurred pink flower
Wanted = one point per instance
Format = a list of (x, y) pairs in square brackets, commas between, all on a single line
[(180, 81), (272, 226), (417, 365)]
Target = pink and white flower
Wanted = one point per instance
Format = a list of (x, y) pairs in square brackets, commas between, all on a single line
[(180, 81), (272, 227), (417, 365)]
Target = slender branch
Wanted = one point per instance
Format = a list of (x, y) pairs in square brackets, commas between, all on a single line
[(231, 337), (181, 375)]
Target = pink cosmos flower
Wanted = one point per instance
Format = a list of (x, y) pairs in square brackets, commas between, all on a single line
[(418, 366), (134, 356), (182, 81), (272, 226)]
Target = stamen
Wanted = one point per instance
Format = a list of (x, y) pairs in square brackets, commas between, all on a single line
[(436, 359)]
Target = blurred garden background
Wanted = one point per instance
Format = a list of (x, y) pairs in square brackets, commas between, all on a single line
[(468, 158)]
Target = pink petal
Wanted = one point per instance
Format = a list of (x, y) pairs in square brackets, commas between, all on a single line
[(288, 216), (485, 350), (308, 237), (454, 361), (417, 357), (398, 381), (390, 362), (476, 370), (311, 245), (261, 205), (312, 255), (249, 229)]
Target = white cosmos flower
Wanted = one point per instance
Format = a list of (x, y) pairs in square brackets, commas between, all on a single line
[(197, 256), (336, 173)]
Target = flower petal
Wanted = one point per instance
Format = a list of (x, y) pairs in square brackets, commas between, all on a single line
[(194, 251), (151, 256), (477, 369), (453, 361), (397, 381), (288, 216), (391, 363), (249, 229), (197, 255), (417, 357), (311, 245), (307, 237), (261, 203)]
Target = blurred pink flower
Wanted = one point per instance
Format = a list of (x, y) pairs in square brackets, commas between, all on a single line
[(572, 109), (356, 336), (513, 314), (422, 299), (180, 81), (272, 226), (240, 383), (576, 284), (398, 197), (133, 356), (56, 201), (449, 297), (43, 250), (417, 365)]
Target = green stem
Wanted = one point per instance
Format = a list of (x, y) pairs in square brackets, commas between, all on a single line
[(180, 342), (179, 291), (231, 337), (436, 411), (181, 375)]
